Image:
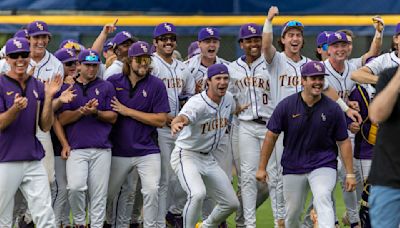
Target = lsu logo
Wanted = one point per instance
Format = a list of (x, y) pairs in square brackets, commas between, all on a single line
[(39, 26), (251, 29), (323, 117), (143, 47), (318, 67), (97, 92), (144, 93), (35, 94), (327, 34), (17, 43), (167, 27), (127, 34), (70, 52), (210, 31), (338, 35)]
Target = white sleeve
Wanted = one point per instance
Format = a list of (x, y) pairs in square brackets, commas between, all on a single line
[(192, 109), (377, 64)]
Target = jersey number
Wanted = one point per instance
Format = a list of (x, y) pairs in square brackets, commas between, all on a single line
[(265, 99)]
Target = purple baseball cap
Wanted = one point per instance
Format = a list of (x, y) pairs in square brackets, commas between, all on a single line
[(22, 33), (71, 44), (217, 69), (37, 28), (16, 45), (206, 33), (193, 49), (249, 30), (121, 37), (108, 44), (164, 28), (322, 38), (292, 24), (139, 48), (397, 29), (66, 55), (88, 56), (313, 68), (337, 37)]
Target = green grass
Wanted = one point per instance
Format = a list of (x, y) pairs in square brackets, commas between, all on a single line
[(264, 212)]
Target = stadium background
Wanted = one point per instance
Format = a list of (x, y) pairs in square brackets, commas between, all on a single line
[(83, 20)]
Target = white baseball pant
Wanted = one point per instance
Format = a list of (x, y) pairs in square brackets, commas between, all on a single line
[(60, 199), (88, 169), (200, 174)]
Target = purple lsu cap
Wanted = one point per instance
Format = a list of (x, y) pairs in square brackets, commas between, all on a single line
[(108, 44), (139, 48), (216, 69), (206, 33), (292, 24), (164, 28), (397, 29), (37, 28), (193, 49), (121, 37), (322, 38), (71, 44), (337, 37), (313, 68), (16, 45), (249, 30), (66, 55), (89, 57), (22, 33)]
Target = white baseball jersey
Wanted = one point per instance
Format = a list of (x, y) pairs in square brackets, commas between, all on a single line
[(356, 62), (4, 67), (207, 122), (285, 75), (342, 83), (115, 68), (250, 84), (47, 67), (176, 78), (199, 71), (382, 62)]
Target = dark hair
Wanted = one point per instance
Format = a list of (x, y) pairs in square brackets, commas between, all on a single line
[(318, 55), (348, 32), (126, 67)]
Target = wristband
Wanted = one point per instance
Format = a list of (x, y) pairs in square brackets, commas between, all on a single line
[(267, 26), (350, 176), (342, 105)]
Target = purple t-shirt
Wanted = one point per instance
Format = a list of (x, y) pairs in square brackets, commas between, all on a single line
[(89, 131), (18, 141), (310, 134), (130, 137)]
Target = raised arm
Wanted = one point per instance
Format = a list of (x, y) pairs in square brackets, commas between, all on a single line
[(376, 44), (267, 48), (102, 37)]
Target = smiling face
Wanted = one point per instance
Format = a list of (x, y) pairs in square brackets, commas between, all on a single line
[(293, 41), (39, 44), (88, 72), (165, 44), (218, 85), (251, 47), (313, 85), (18, 63), (140, 65), (338, 51), (209, 48)]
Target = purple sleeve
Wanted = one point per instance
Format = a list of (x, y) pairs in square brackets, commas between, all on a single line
[(275, 123), (161, 103), (341, 125), (110, 94)]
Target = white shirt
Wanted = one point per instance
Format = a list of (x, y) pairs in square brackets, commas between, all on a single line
[(47, 67), (207, 122), (342, 83), (285, 75), (115, 68), (356, 62), (251, 85), (176, 78), (383, 62)]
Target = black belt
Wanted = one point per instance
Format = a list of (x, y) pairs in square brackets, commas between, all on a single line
[(260, 121)]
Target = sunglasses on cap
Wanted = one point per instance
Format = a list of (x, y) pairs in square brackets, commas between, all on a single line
[(143, 58), (325, 47), (166, 38), (294, 24), (92, 58), (70, 63), (23, 55)]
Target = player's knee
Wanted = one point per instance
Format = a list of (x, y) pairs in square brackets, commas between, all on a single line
[(75, 187), (198, 195)]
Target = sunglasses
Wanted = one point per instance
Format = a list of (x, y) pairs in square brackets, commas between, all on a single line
[(166, 38), (325, 47), (70, 63), (23, 55), (294, 23), (141, 59), (91, 58)]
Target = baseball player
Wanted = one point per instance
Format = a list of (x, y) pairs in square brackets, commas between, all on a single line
[(88, 121), (322, 45), (368, 73), (203, 122), (142, 103), (179, 83), (249, 85), (308, 118), (121, 43), (25, 105)]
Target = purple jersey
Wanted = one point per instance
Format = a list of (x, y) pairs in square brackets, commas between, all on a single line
[(310, 133), (131, 137), (89, 131), (18, 141)]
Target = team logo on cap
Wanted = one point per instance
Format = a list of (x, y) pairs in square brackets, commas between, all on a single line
[(210, 31), (97, 92), (327, 34), (338, 35), (167, 27), (70, 52), (144, 93), (251, 29), (35, 94), (40, 26), (17, 43), (143, 47), (318, 67), (127, 34)]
